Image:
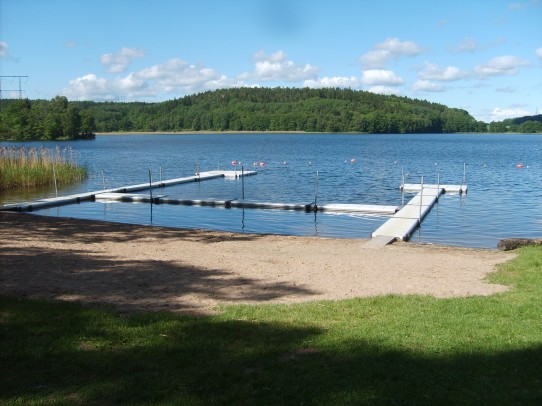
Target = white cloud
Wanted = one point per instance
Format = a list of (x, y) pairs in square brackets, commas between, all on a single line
[(468, 44), (376, 59), (539, 52), (426, 86), (117, 62), (178, 73), (499, 114), (398, 47), (338, 81), (276, 67), (174, 76), (391, 48), (377, 77), (3, 49), (384, 90), (448, 74), (507, 89), (90, 87), (518, 6), (501, 66)]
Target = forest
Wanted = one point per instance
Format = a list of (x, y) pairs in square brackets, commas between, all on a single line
[(26, 120), (330, 110), (526, 124)]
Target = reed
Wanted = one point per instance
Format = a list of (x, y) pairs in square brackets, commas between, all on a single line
[(31, 167)]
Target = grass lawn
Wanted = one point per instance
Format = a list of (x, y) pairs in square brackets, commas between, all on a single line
[(382, 350)]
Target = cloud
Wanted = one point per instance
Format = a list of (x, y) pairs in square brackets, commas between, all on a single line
[(117, 62), (539, 53), (338, 81), (518, 6), (380, 77), (501, 66), (499, 114), (468, 44), (171, 77), (277, 68), (390, 49), (90, 87), (3, 49), (426, 86), (385, 90), (448, 74), (507, 89), (178, 76), (376, 59)]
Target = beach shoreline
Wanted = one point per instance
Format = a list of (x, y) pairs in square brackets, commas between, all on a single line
[(136, 268)]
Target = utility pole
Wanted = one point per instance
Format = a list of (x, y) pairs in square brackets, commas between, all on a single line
[(12, 79)]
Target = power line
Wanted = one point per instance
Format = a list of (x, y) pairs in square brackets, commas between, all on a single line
[(20, 89)]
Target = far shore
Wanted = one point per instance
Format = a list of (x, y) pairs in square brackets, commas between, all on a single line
[(268, 132)]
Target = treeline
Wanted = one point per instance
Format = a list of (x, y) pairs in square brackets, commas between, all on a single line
[(526, 124), (285, 109), (329, 110), (24, 120)]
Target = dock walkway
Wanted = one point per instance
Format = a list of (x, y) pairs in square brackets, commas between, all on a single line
[(408, 219), (63, 200)]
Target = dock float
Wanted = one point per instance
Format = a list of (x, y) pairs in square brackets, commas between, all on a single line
[(89, 196), (403, 223), (250, 204)]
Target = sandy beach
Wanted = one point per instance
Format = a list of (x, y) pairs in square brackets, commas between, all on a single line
[(138, 268)]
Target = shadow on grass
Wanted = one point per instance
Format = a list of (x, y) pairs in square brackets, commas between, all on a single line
[(59, 352)]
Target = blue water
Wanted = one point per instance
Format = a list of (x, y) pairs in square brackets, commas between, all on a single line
[(503, 200)]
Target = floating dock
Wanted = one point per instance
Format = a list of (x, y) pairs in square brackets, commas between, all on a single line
[(250, 204), (408, 219), (77, 198)]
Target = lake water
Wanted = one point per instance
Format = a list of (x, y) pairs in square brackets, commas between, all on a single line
[(502, 201)]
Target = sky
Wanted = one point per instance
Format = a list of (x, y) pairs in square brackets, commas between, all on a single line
[(484, 56)]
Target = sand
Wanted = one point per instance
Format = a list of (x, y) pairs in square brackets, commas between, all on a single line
[(139, 268)]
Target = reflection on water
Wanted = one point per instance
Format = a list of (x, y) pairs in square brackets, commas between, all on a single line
[(503, 200)]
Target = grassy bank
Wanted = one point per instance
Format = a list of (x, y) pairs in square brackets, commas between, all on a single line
[(383, 350), (31, 167)]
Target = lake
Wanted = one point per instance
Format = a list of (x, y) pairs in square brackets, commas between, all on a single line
[(502, 200)]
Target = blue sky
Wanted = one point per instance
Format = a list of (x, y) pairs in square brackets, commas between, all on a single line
[(484, 56)]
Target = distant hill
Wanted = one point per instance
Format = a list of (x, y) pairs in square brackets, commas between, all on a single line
[(285, 109), (525, 124), (329, 110)]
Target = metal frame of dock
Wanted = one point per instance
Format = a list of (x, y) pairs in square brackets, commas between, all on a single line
[(400, 226)]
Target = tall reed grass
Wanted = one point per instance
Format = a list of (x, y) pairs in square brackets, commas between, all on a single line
[(31, 167)]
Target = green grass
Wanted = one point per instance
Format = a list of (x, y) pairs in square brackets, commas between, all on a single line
[(31, 167), (382, 350)]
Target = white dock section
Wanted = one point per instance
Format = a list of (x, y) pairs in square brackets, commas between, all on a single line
[(405, 221), (359, 208), (249, 204), (416, 187), (63, 200)]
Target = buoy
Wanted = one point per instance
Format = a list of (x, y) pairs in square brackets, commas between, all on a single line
[(255, 163), (234, 163), (353, 160), (285, 163), (262, 164), (519, 166)]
